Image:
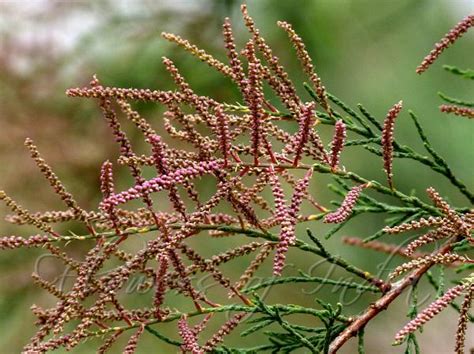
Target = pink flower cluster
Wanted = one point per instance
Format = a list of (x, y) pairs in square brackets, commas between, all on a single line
[(189, 337), (286, 216), (161, 182), (343, 212)]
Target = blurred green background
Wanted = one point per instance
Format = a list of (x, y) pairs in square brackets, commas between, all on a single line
[(365, 51)]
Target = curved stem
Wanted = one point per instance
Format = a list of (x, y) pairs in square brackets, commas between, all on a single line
[(374, 309)]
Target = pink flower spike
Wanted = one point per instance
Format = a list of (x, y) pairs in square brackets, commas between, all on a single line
[(287, 235), (387, 140), (337, 143), (225, 329), (158, 148), (347, 205), (107, 188), (281, 211), (299, 193), (459, 111), (106, 179), (159, 183), (283, 217), (427, 314), (445, 42), (160, 288), (131, 346), (301, 138), (189, 338), (253, 95), (235, 63)]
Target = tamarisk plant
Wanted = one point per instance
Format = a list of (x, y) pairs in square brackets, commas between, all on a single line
[(242, 150)]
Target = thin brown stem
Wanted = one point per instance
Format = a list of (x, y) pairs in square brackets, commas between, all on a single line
[(382, 304)]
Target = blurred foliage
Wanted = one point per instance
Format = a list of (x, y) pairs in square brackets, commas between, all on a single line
[(365, 51)]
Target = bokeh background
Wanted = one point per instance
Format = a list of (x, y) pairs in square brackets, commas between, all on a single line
[(365, 51)]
